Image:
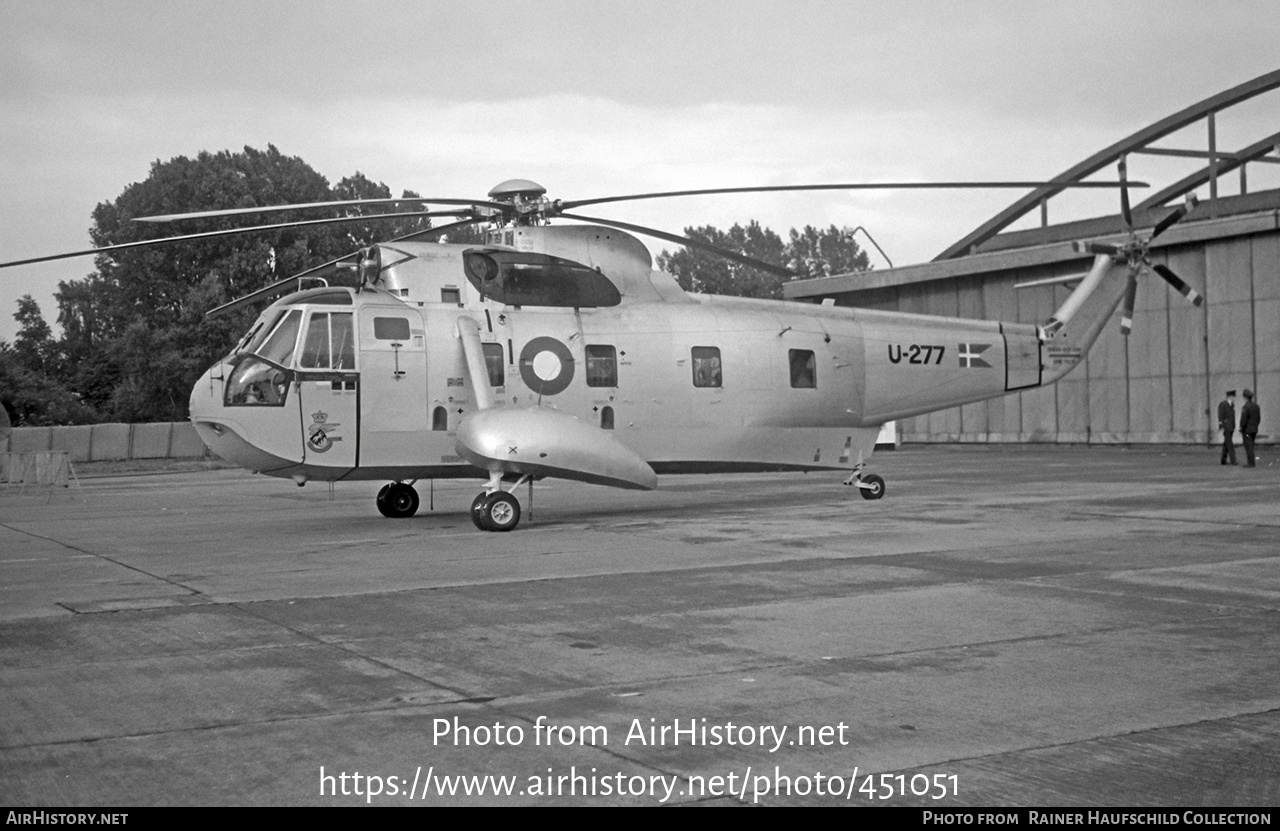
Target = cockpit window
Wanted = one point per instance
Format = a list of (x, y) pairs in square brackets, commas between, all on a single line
[(258, 333), (315, 346), (279, 347), (329, 342)]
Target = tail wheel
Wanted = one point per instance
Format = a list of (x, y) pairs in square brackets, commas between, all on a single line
[(398, 500), (497, 511), (871, 486)]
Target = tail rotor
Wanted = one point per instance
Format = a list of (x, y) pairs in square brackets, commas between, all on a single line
[(1135, 252)]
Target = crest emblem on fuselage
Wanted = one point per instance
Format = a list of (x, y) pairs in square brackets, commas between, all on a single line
[(320, 434)]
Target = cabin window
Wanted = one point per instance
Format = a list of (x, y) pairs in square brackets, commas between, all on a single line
[(706, 366), (804, 368), (493, 363), (602, 366), (450, 295), (440, 419), (606, 418), (391, 328), (329, 342)]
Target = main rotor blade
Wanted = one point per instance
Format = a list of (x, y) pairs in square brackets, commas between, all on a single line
[(692, 243), (577, 203), (265, 209), (224, 233), (440, 229), (1124, 196), (1174, 280), (268, 290), (278, 287)]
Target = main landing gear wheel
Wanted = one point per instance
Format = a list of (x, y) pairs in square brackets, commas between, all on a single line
[(397, 500), (497, 511), (477, 511), (871, 486)]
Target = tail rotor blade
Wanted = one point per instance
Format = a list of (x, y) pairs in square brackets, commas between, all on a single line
[(1130, 299), (1174, 280), (1174, 217), (1096, 248)]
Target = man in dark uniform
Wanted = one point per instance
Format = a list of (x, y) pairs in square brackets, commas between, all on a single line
[(1250, 416), (1227, 424)]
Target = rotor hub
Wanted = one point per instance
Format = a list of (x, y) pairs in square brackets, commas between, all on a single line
[(512, 188), (527, 198)]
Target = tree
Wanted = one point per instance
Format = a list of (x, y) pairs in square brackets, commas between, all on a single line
[(32, 371), (33, 347), (87, 367), (31, 398), (358, 234), (815, 253), (474, 234), (708, 273), (135, 335), (809, 253)]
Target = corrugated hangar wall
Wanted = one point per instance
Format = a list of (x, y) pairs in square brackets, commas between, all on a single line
[(1159, 385)]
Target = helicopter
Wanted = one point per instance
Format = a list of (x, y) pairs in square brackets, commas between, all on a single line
[(558, 351)]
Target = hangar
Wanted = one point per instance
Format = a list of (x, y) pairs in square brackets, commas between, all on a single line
[(1161, 383)]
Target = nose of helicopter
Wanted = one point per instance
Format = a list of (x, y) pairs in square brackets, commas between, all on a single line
[(224, 430), (206, 395), (208, 413)]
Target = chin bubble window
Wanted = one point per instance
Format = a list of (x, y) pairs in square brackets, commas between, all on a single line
[(257, 383)]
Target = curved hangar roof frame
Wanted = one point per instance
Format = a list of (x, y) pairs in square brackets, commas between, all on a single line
[(1219, 162)]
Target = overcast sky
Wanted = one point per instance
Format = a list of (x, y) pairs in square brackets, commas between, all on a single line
[(598, 98)]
